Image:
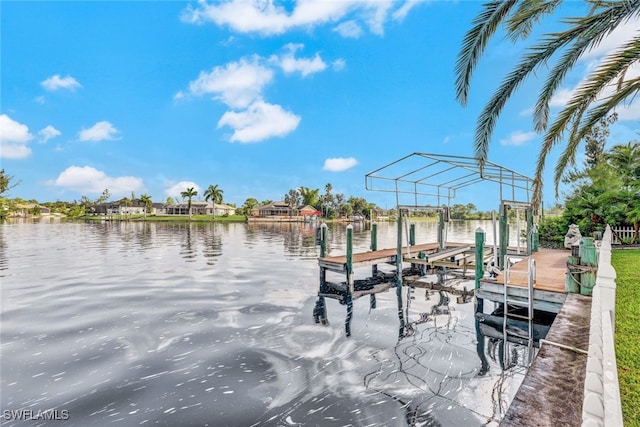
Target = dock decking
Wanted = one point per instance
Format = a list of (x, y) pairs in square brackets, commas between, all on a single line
[(549, 286), (552, 392)]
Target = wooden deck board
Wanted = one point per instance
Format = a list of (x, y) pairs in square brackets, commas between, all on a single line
[(551, 268), (383, 254), (552, 392)]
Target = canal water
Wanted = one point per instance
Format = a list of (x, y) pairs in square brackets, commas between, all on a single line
[(177, 324)]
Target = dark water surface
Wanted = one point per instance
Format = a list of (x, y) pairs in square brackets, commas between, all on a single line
[(196, 324)]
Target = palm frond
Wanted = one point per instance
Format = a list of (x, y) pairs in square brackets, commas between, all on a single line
[(628, 89), (537, 54), (528, 13), (611, 68), (475, 42)]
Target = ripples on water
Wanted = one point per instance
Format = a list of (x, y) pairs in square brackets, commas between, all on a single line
[(200, 324)]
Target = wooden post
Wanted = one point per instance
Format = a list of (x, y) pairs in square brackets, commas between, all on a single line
[(479, 256), (349, 290), (528, 213), (323, 253), (441, 242), (321, 305), (504, 235), (412, 234), (588, 257), (374, 268), (399, 274)]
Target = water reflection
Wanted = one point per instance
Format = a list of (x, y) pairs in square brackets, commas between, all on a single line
[(188, 324)]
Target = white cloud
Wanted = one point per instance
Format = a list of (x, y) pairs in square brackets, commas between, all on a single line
[(266, 17), (56, 82), (270, 17), (518, 138), (99, 132), (403, 10), (259, 121), (305, 66), (349, 29), (85, 179), (175, 190), (339, 164), (48, 132), (339, 64), (39, 100), (622, 34), (14, 137), (237, 84)]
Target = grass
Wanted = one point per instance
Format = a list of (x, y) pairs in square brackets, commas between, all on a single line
[(627, 339)]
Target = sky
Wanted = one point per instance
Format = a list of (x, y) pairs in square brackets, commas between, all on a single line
[(255, 96)]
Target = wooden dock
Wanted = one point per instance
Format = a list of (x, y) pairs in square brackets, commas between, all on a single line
[(549, 285), (552, 392)]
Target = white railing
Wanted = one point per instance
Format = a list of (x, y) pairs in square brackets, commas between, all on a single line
[(623, 232), (601, 389)]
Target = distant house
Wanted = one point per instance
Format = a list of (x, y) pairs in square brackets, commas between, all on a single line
[(274, 209), (119, 207), (309, 211), (31, 209), (200, 208), (158, 209)]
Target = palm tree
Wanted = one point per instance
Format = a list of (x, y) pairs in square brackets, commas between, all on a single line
[(587, 105), (309, 197), (214, 194), (127, 203), (189, 193), (145, 199), (626, 160)]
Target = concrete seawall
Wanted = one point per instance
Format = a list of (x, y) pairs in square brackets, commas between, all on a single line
[(602, 405)]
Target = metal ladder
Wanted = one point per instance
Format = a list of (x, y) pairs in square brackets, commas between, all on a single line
[(528, 302)]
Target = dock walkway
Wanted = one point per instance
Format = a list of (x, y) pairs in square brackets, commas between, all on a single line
[(552, 392), (549, 285)]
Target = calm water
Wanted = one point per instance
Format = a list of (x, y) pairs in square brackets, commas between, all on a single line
[(199, 324)]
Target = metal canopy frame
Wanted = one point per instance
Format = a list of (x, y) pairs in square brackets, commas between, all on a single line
[(440, 176)]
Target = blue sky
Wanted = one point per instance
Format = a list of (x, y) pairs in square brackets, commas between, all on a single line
[(257, 97)]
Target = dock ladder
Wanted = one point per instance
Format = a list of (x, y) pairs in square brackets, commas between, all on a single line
[(527, 301)]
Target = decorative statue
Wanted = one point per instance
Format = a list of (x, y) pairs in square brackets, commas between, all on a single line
[(572, 237)]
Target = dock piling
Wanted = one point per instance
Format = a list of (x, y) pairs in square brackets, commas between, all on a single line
[(479, 262), (350, 283)]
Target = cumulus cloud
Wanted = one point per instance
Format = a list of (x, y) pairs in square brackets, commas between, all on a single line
[(518, 138), (56, 82), (48, 132), (14, 137), (175, 190), (305, 66), (277, 17), (349, 29), (85, 179), (99, 132), (237, 84), (258, 122), (339, 164), (240, 86)]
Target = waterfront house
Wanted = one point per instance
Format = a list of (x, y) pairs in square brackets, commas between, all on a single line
[(275, 209), (309, 211), (200, 208)]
